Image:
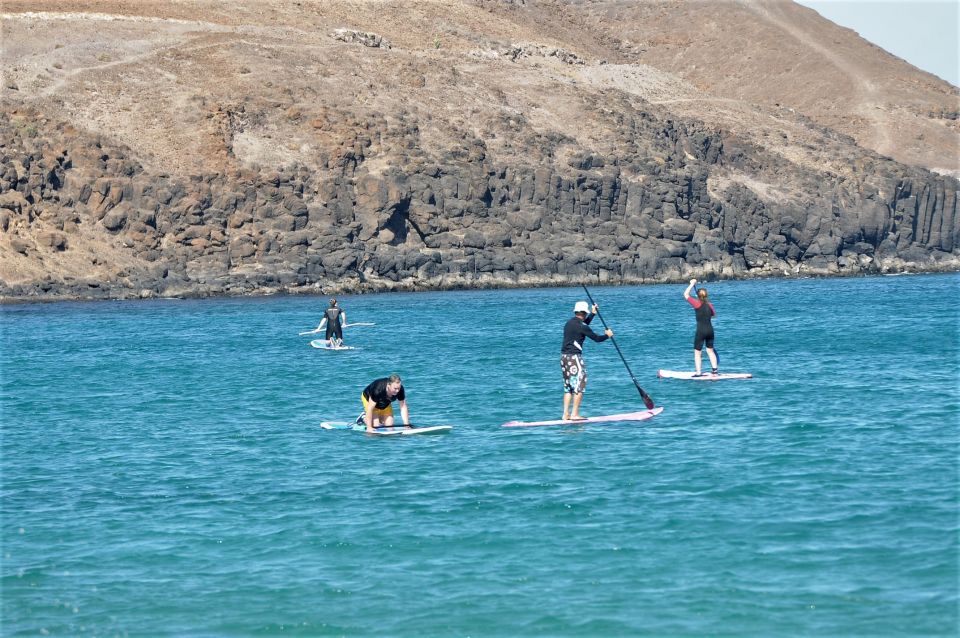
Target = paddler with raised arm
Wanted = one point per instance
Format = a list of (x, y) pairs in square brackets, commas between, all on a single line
[(704, 335)]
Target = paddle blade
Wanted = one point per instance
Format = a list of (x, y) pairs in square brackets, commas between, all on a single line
[(647, 401)]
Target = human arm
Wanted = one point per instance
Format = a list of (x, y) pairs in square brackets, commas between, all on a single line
[(607, 333), (323, 322), (368, 415), (686, 293), (404, 413)]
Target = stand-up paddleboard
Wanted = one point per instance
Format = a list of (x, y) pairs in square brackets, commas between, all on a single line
[(398, 430), (324, 344), (706, 376), (346, 325), (642, 415)]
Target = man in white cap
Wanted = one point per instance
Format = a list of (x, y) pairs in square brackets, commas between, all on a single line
[(571, 357)]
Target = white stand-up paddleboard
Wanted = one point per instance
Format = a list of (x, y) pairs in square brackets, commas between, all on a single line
[(346, 325), (398, 430), (706, 376), (642, 415), (323, 344)]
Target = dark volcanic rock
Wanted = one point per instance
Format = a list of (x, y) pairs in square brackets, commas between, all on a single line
[(469, 221)]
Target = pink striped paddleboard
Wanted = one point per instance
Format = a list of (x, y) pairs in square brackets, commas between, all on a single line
[(642, 415), (706, 376)]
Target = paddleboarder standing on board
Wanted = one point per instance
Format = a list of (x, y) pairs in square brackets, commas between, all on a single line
[(334, 318), (705, 312), (378, 398), (571, 357)]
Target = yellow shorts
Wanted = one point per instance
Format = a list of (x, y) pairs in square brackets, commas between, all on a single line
[(377, 414)]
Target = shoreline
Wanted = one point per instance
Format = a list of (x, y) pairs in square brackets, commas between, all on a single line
[(484, 281)]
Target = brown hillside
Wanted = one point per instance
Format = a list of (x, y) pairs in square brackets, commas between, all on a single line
[(781, 53)]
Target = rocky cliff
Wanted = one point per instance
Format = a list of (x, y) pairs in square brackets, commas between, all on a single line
[(204, 148)]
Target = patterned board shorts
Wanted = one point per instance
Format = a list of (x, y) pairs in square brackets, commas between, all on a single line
[(574, 373)]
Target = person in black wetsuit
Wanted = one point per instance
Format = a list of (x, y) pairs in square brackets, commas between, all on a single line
[(333, 318), (571, 357), (705, 313), (377, 399)]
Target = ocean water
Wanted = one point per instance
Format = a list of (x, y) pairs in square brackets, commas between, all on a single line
[(163, 472)]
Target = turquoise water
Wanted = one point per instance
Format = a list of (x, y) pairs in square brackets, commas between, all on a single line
[(163, 472)]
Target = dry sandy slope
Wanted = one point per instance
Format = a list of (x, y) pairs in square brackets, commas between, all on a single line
[(160, 75), (777, 52)]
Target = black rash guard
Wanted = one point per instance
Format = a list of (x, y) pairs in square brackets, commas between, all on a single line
[(333, 323), (575, 331), (377, 392)]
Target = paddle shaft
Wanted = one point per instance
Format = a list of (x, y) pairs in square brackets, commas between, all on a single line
[(643, 395)]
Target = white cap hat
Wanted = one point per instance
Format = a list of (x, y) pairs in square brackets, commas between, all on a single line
[(582, 306)]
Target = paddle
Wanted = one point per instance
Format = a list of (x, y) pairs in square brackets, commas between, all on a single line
[(346, 325), (647, 401)]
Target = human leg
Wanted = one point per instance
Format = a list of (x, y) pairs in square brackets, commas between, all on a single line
[(575, 413), (570, 369), (710, 351), (697, 346), (713, 360), (579, 384), (385, 416)]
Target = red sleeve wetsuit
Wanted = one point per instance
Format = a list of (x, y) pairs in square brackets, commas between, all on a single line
[(704, 312)]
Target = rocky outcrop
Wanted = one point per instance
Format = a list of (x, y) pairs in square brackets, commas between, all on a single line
[(195, 148), (360, 37), (692, 201)]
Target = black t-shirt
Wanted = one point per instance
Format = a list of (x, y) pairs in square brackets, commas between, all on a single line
[(377, 392), (575, 331)]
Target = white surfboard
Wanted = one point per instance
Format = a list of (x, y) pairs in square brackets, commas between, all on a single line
[(706, 376), (642, 415), (399, 430), (324, 344), (346, 325)]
